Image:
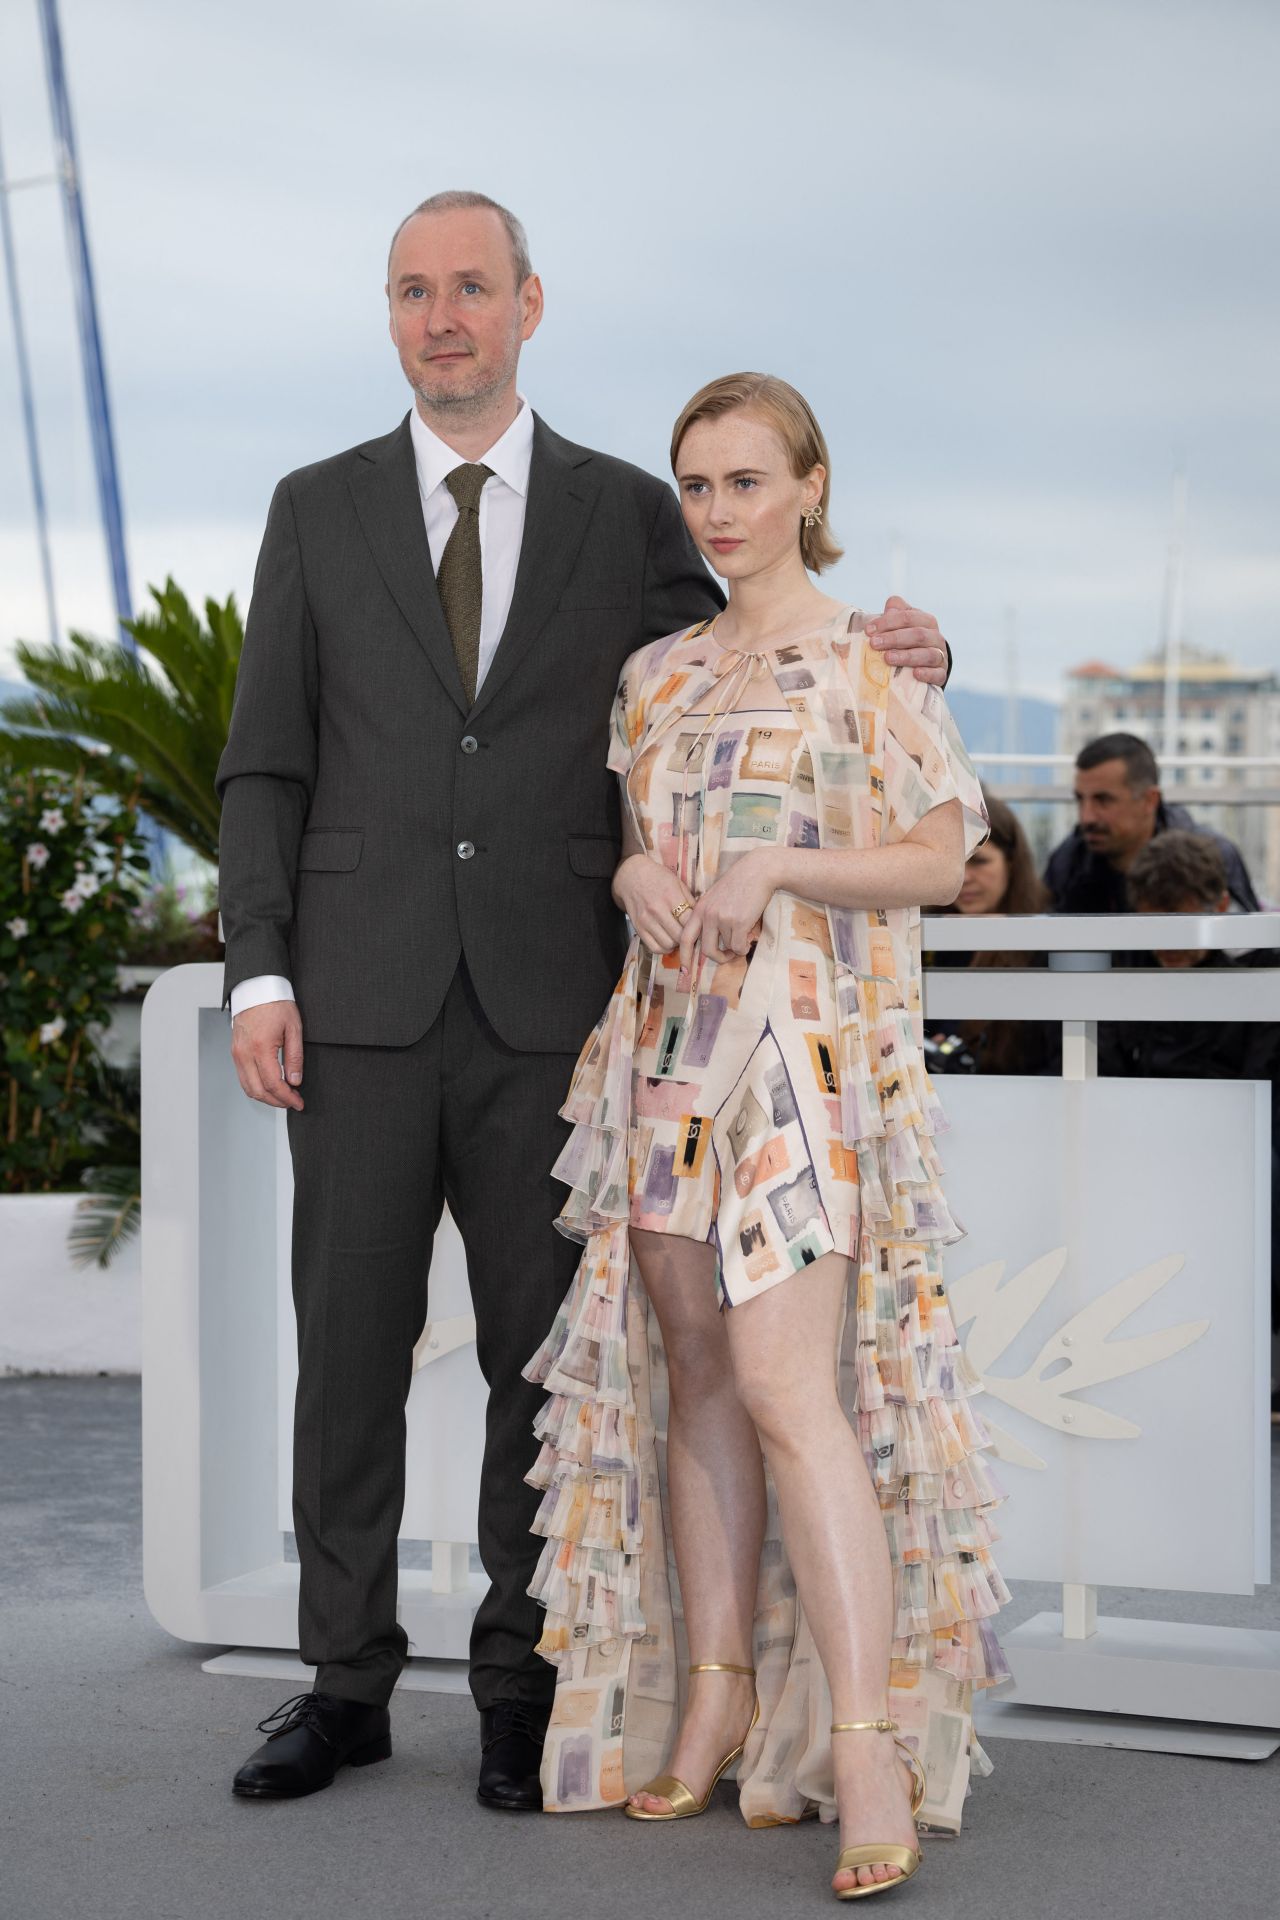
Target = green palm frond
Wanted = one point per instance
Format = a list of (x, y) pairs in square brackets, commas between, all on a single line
[(158, 719), (107, 1218)]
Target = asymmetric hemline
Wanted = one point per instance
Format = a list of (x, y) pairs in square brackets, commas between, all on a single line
[(777, 1105)]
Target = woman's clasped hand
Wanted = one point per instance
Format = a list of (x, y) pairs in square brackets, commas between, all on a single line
[(724, 920), (654, 899)]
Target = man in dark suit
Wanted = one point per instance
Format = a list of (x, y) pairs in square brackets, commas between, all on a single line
[(418, 842)]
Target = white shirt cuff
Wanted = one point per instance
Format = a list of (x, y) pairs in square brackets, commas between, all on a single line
[(256, 991)]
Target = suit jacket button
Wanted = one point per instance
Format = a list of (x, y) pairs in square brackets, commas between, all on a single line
[(469, 743), (465, 849)]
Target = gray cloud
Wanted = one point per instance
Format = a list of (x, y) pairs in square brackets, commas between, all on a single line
[(1021, 259)]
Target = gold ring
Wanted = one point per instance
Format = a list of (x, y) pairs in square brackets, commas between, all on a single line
[(686, 906)]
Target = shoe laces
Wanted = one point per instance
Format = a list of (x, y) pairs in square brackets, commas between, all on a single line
[(513, 1716), (304, 1710)]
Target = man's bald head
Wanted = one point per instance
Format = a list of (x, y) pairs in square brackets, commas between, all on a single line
[(457, 200)]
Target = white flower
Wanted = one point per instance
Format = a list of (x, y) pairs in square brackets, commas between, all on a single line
[(52, 820), (52, 1030), (71, 900), (17, 926), (37, 853), (87, 883)]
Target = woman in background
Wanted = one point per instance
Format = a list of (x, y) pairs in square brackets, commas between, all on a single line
[(999, 877)]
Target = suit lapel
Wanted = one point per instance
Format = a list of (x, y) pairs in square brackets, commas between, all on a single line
[(561, 496), (384, 487)]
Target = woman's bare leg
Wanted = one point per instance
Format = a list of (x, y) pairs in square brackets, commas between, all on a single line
[(716, 1491), (783, 1345)]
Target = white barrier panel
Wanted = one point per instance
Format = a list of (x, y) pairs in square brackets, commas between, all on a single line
[(1112, 1291), (1109, 1292), (219, 1359)]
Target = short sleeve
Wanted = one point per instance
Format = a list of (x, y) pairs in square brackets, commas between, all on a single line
[(926, 762), (625, 729)]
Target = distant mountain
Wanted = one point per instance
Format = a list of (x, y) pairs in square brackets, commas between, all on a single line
[(981, 720)]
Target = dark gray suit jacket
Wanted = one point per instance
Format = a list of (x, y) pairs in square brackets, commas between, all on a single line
[(354, 772)]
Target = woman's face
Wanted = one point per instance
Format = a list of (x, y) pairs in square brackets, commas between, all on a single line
[(986, 878), (742, 503)]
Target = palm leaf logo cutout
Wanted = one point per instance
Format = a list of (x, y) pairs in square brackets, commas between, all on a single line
[(1079, 1355)]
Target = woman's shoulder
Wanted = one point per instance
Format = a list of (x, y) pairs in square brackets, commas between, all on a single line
[(647, 677), (657, 655)]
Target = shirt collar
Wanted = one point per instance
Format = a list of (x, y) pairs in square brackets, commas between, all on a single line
[(510, 456)]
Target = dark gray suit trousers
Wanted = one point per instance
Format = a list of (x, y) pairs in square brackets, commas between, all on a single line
[(386, 1135)]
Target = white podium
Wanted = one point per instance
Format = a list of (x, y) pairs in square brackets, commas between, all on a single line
[(1112, 1292)]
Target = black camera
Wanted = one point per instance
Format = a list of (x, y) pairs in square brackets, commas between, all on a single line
[(947, 1053)]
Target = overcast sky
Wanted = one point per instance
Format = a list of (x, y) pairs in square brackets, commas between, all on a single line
[(1021, 255)]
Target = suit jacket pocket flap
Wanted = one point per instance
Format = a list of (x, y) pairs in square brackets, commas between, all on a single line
[(329, 851), (593, 855)]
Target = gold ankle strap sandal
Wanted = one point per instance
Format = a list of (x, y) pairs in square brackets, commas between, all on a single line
[(888, 1853), (681, 1804)]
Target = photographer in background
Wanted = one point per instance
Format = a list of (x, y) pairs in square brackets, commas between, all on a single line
[(1120, 811)]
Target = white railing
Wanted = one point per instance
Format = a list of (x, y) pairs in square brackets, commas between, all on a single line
[(1112, 1292), (1227, 760), (1080, 985)]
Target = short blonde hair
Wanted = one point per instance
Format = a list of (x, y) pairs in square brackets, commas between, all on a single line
[(792, 418)]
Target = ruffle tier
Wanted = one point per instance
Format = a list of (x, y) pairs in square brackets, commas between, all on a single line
[(905, 1383)]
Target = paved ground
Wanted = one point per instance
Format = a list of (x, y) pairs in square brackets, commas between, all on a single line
[(116, 1753)]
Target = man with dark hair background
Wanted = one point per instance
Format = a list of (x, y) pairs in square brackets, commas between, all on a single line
[(1120, 811)]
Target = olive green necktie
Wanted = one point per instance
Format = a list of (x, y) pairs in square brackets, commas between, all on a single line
[(459, 579)]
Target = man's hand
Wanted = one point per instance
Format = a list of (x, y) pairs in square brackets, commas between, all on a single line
[(908, 637), (257, 1037)]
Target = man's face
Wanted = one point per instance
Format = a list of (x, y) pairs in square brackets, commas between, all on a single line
[(458, 319), (1115, 818), (1186, 956)]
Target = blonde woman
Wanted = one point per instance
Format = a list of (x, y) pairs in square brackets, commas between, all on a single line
[(774, 1392)]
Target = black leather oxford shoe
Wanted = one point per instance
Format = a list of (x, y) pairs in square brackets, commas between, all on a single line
[(310, 1737), (511, 1739)]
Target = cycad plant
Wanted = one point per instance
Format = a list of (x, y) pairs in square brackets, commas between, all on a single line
[(158, 718)]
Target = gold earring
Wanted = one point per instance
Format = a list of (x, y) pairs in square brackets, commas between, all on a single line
[(813, 516)]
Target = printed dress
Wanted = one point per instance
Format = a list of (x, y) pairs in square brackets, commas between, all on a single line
[(777, 1106)]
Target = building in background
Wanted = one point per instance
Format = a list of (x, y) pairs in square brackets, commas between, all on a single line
[(1223, 709)]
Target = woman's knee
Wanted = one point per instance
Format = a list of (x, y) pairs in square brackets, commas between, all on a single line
[(768, 1400), (698, 1365), (782, 1405)]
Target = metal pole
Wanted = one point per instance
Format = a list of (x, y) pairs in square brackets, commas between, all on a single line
[(28, 403), (1172, 618), (94, 365), (1011, 696), (95, 376), (898, 565)]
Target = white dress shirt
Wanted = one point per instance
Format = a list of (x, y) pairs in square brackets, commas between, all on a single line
[(502, 505)]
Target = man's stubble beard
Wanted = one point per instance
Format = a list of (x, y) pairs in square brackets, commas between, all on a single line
[(460, 406)]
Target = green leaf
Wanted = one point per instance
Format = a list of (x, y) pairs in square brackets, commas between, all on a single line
[(161, 716), (107, 1218)]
